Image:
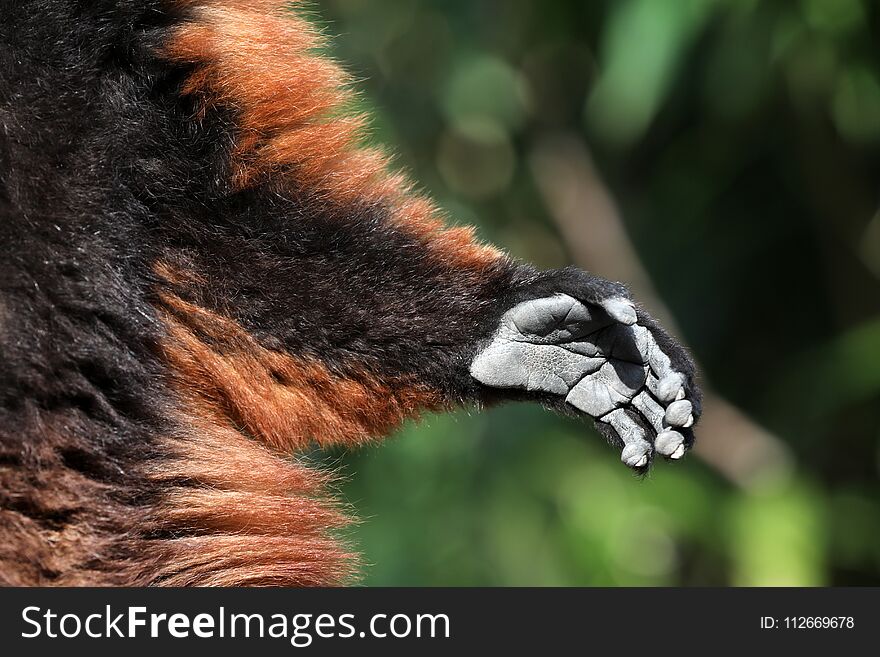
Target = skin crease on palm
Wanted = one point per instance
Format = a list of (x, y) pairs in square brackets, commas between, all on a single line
[(602, 361)]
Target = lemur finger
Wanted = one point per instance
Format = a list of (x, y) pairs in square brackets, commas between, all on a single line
[(681, 363), (636, 451), (670, 444), (668, 383), (650, 351), (680, 413), (668, 389), (652, 411), (621, 309)]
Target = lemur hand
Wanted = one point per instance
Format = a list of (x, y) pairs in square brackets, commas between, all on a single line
[(588, 343)]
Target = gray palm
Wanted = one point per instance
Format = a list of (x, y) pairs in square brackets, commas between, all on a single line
[(602, 361)]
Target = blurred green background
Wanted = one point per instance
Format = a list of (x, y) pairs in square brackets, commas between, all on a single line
[(723, 156)]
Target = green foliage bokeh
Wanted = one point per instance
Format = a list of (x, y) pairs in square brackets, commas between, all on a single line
[(741, 140)]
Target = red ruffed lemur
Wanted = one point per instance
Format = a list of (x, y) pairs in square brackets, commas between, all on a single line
[(204, 272)]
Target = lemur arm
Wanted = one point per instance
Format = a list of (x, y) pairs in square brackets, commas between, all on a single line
[(318, 254), (410, 331)]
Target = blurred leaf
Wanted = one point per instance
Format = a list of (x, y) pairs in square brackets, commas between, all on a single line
[(869, 245), (834, 16), (842, 372), (641, 48), (484, 86), (735, 78), (476, 159), (855, 533), (749, 204), (778, 538), (856, 105)]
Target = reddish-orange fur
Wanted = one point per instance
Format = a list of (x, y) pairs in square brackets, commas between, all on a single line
[(259, 517), (282, 401), (246, 515), (233, 512), (259, 60)]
